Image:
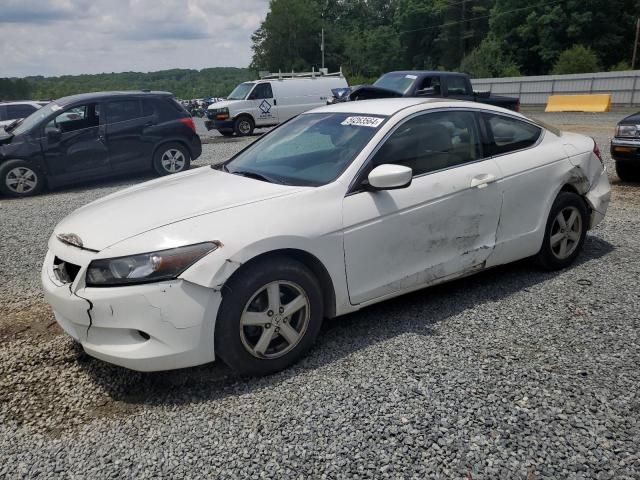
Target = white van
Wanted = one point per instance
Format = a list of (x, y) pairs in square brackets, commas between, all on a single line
[(270, 101)]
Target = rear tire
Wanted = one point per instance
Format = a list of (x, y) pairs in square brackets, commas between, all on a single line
[(20, 179), (243, 126), (171, 158), (565, 232), (270, 316), (628, 171)]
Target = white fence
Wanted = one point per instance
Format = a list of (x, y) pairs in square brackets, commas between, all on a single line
[(624, 86)]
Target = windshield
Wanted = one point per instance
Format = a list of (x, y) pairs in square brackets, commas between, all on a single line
[(397, 82), (241, 91), (311, 150), (35, 118)]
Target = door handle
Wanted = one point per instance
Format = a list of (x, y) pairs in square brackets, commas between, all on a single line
[(275, 102), (482, 180)]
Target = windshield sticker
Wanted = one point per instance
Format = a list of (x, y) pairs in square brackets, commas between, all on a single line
[(412, 77), (372, 122), (55, 107)]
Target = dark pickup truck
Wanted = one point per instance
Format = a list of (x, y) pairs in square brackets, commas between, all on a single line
[(427, 84)]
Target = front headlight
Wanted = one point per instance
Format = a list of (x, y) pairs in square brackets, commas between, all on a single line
[(146, 267), (222, 113), (627, 131)]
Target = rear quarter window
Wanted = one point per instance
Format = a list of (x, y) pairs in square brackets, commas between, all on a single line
[(510, 134)]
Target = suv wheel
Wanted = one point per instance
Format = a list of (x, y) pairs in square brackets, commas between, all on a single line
[(171, 158), (243, 126), (20, 179)]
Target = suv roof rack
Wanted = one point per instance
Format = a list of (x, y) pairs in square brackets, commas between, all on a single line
[(324, 72)]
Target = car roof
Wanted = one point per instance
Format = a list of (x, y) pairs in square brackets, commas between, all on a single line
[(95, 96), (391, 106), (427, 72)]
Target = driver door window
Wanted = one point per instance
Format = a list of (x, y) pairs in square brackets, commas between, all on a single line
[(432, 142), (77, 118), (262, 91)]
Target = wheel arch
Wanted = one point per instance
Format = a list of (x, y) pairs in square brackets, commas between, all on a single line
[(245, 114), (308, 260)]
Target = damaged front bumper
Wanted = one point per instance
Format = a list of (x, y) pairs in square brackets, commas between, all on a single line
[(149, 327)]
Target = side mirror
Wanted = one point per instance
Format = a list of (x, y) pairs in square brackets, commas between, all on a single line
[(53, 133), (390, 177), (426, 92)]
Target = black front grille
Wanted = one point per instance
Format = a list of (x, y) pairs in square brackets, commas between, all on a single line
[(65, 272)]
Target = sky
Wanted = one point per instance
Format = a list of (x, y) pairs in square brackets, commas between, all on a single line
[(60, 37)]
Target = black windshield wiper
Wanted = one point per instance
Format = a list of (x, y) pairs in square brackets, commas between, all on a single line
[(12, 125), (254, 175), (220, 166)]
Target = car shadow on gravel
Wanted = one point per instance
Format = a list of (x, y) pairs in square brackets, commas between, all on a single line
[(414, 313)]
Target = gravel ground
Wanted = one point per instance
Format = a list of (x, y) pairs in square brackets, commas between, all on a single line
[(510, 374)]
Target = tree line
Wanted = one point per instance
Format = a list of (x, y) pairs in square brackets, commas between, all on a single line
[(209, 82), (484, 38)]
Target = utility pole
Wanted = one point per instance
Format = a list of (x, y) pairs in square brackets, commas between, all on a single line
[(635, 45), (322, 47)]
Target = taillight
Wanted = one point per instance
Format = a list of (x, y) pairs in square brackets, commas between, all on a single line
[(596, 151), (189, 123)]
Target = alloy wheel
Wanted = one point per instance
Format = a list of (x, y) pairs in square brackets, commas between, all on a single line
[(274, 320), (21, 180), (173, 160), (566, 232)]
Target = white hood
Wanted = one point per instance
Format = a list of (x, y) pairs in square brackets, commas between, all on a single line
[(160, 202), (223, 104)]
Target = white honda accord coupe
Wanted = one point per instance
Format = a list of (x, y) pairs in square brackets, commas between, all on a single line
[(341, 207)]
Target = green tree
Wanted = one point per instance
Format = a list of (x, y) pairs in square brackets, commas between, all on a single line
[(577, 59), (289, 37), (489, 60), (535, 32)]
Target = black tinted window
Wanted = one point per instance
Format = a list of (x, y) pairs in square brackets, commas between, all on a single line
[(431, 82), (19, 111), (456, 85), (432, 142), (123, 110), (262, 90), (510, 134), (147, 107)]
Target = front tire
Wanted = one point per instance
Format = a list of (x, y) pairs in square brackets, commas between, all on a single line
[(565, 232), (20, 179), (171, 158), (243, 126), (270, 315)]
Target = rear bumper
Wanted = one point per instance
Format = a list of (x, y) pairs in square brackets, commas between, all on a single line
[(156, 326), (625, 150), (196, 147)]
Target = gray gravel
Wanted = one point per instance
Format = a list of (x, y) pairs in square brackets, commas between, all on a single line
[(510, 374)]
